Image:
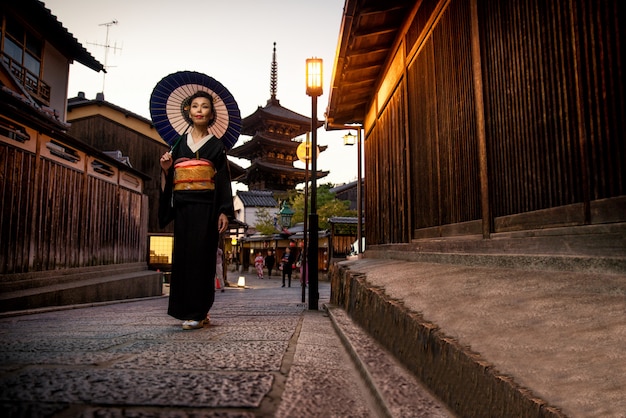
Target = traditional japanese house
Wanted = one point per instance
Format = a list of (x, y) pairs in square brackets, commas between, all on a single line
[(493, 135), (480, 122), (70, 214)]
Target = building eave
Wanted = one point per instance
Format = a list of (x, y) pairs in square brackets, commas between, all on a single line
[(367, 36), (14, 108), (42, 19)]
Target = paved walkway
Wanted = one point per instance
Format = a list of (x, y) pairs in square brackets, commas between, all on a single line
[(264, 355), (561, 335)]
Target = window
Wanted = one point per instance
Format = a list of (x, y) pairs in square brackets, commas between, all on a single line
[(15, 132), (161, 248), (22, 52), (102, 168), (13, 50), (62, 151), (32, 56)]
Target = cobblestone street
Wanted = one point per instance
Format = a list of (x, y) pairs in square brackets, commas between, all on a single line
[(263, 355)]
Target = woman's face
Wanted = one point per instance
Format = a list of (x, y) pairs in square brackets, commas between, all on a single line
[(201, 111)]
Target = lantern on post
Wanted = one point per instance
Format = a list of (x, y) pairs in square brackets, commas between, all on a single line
[(314, 78), (304, 153), (351, 139), (285, 213)]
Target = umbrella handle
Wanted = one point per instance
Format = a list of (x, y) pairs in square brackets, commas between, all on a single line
[(178, 140)]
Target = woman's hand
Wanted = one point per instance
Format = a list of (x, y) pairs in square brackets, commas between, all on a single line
[(222, 223), (166, 161)]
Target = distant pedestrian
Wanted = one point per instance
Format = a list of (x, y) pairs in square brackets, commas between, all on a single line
[(303, 267), (219, 268), (258, 263), (287, 262), (233, 260), (270, 261)]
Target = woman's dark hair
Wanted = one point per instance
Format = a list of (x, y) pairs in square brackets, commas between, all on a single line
[(187, 104)]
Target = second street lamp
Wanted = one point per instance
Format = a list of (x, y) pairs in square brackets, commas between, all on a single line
[(351, 139), (286, 213), (313, 89), (304, 155)]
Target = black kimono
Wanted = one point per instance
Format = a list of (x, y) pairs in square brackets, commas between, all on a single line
[(195, 214)]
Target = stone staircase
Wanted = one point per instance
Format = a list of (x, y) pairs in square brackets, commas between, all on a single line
[(591, 258)]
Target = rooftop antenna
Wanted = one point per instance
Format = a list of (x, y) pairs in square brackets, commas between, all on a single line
[(107, 47)]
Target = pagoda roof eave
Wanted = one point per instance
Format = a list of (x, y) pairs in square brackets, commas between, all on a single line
[(274, 111), (284, 168), (235, 169), (278, 168), (243, 149)]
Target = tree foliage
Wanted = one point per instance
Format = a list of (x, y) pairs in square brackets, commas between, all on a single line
[(265, 222), (328, 206)]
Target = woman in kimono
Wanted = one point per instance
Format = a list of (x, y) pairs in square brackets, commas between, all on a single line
[(196, 193), (258, 264)]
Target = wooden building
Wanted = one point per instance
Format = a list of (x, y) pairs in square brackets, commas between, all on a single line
[(488, 119), (69, 213), (248, 203), (108, 127)]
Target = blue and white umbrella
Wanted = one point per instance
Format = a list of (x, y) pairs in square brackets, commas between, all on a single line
[(171, 95)]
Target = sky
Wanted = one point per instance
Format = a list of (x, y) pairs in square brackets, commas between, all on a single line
[(232, 41)]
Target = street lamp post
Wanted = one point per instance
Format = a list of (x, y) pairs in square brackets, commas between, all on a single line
[(313, 89), (304, 154), (348, 139)]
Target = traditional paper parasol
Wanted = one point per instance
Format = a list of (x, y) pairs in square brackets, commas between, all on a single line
[(170, 96)]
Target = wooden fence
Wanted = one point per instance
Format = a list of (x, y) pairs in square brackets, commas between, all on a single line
[(54, 216)]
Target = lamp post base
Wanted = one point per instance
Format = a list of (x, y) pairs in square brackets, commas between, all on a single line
[(313, 264)]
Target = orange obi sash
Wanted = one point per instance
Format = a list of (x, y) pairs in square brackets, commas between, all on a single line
[(194, 175)]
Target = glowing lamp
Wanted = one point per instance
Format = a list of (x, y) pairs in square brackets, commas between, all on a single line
[(314, 77), (349, 139), (241, 282)]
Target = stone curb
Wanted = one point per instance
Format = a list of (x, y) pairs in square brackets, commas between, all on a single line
[(462, 379), (334, 314), (397, 391)]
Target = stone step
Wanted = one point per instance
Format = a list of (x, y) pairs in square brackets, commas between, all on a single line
[(592, 249), (21, 281), (606, 240), (89, 289), (540, 262)]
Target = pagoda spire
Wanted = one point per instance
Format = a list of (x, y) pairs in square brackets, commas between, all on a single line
[(274, 77)]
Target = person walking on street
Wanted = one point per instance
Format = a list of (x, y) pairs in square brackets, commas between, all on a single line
[(196, 194), (219, 268), (302, 266), (270, 261), (258, 264), (287, 263)]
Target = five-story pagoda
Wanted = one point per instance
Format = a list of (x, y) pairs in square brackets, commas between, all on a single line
[(272, 148)]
